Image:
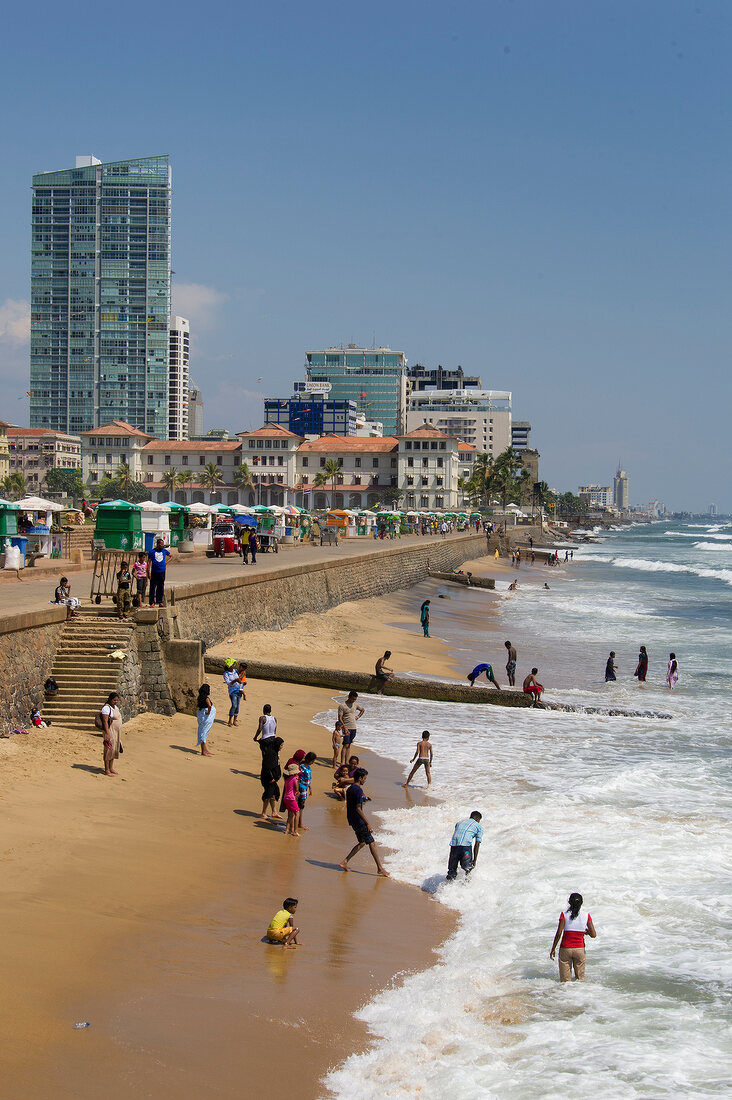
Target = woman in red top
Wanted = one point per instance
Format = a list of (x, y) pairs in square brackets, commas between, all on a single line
[(571, 929)]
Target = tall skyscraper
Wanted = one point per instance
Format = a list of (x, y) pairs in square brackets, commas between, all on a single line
[(375, 378), (178, 378), (621, 490), (195, 411), (100, 295)]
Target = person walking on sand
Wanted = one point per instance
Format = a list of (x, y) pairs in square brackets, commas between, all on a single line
[(304, 785), (235, 677), (337, 743), (479, 670), (355, 798), (641, 670), (424, 618), (267, 724), (110, 719), (423, 757), (672, 672), (465, 845), (281, 929), (205, 714), (572, 929), (383, 673), (533, 687), (610, 667), (270, 776), (511, 664), (348, 715)]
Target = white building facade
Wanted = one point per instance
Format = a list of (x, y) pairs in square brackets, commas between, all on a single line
[(111, 445), (479, 417), (178, 360), (35, 451)]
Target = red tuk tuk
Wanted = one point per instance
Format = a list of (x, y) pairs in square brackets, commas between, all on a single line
[(226, 538)]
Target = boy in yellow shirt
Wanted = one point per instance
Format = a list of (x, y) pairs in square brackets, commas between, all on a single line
[(281, 929)]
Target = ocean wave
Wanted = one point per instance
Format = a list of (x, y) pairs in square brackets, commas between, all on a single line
[(713, 546), (647, 566)]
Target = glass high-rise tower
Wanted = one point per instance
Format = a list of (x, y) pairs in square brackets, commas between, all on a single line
[(100, 295)]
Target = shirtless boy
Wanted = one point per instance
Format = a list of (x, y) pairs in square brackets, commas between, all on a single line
[(383, 672), (511, 664), (423, 756), (533, 687)]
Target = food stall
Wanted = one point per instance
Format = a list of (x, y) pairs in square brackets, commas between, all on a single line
[(199, 525), (155, 523), (9, 529), (119, 525), (34, 524), (365, 522)]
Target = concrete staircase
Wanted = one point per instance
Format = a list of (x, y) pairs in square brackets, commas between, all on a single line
[(83, 669)]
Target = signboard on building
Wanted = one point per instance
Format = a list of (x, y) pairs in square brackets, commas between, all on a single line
[(323, 388)]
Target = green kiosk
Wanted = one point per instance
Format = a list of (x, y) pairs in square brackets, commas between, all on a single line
[(119, 525)]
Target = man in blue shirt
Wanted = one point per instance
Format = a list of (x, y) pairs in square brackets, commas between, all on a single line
[(157, 560), (461, 850)]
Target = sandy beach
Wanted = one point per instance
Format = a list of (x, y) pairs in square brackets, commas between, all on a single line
[(140, 903)]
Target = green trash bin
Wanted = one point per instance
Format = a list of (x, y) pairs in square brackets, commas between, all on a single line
[(119, 525)]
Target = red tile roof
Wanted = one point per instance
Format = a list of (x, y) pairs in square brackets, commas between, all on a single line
[(191, 446), (270, 430), (466, 446), (121, 427), (13, 430), (352, 444), (426, 432)]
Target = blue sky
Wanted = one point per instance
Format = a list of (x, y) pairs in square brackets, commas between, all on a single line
[(539, 192)]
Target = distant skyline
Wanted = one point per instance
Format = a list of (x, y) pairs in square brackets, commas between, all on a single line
[(539, 193)]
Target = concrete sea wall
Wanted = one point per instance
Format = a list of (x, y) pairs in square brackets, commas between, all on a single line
[(211, 610), (28, 644)]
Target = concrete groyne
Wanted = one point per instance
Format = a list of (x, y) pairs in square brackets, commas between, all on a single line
[(406, 687), (465, 580)]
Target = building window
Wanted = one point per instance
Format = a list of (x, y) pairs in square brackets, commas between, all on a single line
[(109, 460), (425, 462), (439, 502), (149, 460), (201, 460), (95, 458), (219, 460), (393, 463), (375, 463), (410, 463), (167, 460), (439, 481), (358, 463), (443, 446), (93, 477), (305, 463), (424, 502), (322, 464), (440, 463), (433, 446), (357, 481), (410, 481), (184, 460), (280, 460), (407, 446), (425, 481)]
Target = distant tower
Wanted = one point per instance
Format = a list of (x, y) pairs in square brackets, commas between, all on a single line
[(195, 411), (178, 378), (712, 510), (621, 493)]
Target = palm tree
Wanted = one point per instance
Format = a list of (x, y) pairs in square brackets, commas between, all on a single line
[(330, 473), (210, 476), (170, 480), (14, 485), (184, 477), (243, 477), (123, 477), (507, 470), (483, 476)]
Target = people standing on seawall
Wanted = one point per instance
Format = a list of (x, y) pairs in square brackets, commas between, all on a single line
[(672, 672), (205, 715), (156, 566), (641, 670), (610, 667), (424, 618), (139, 572), (511, 664), (110, 720), (465, 845), (423, 756), (124, 591), (571, 929)]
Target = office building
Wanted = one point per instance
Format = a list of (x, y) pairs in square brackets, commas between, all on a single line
[(35, 451), (311, 411), (4, 451), (621, 493), (520, 431), (106, 448), (440, 378), (178, 359), (100, 295), (712, 510), (479, 417), (373, 378), (195, 411), (597, 496)]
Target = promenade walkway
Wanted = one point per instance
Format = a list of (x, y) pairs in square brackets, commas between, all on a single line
[(31, 594)]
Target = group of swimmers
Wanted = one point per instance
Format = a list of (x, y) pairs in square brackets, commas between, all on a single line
[(641, 668)]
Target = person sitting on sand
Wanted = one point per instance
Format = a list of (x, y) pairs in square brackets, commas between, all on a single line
[(344, 777), (281, 929), (383, 673), (533, 687), (423, 757), (355, 798), (479, 670)]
